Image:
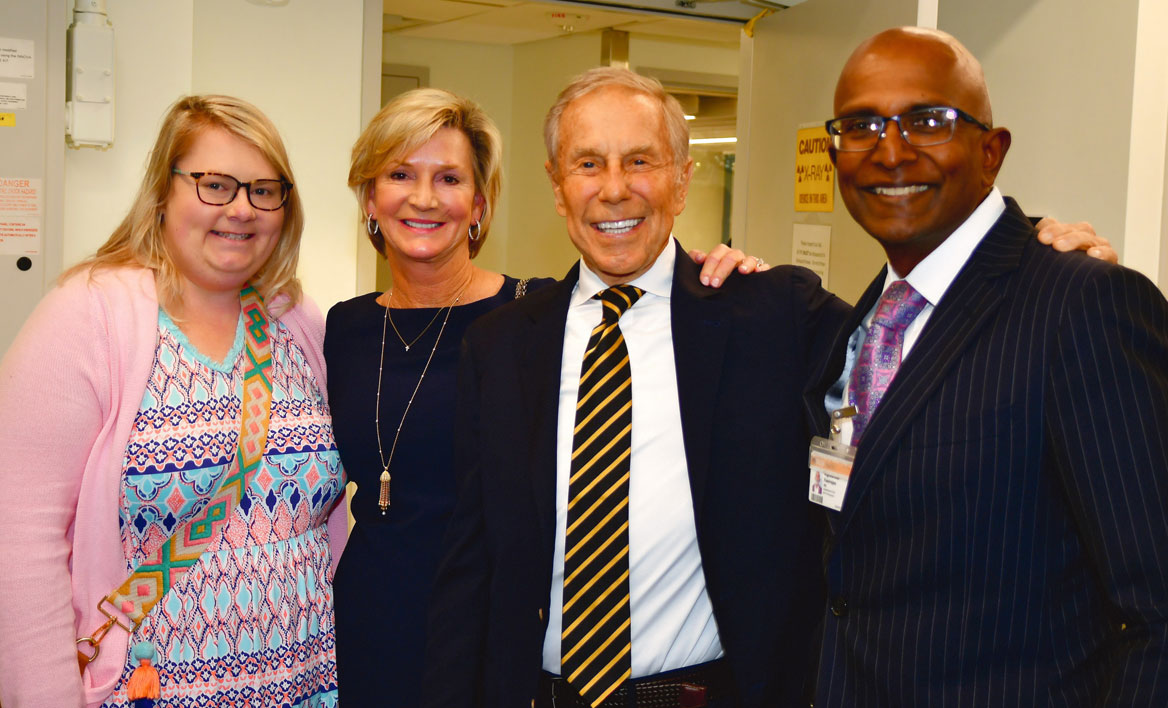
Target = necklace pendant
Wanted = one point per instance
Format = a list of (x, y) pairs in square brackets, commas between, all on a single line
[(383, 492), (383, 487)]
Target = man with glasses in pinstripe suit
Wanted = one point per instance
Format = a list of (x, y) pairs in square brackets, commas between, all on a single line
[(1004, 411)]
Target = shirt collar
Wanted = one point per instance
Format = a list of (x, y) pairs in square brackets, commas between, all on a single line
[(658, 280), (933, 276)]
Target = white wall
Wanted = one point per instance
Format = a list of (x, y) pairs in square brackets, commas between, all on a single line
[(1068, 107), (1146, 237), (166, 49), (366, 265), (1163, 280), (679, 55), (152, 56)]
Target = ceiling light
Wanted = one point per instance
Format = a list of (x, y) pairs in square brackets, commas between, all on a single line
[(712, 141)]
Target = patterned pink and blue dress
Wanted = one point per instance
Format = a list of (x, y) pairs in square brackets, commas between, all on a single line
[(251, 623)]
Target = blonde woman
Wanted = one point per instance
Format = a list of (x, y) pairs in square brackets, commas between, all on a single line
[(120, 432)]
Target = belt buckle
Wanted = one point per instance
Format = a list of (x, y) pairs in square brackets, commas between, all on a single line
[(571, 700)]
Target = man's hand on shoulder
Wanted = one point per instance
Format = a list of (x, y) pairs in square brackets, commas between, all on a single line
[(1077, 236), (720, 262)]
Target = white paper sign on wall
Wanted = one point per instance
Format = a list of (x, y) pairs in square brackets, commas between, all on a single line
[(811, 248)]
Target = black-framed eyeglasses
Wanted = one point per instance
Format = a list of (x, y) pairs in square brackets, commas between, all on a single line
[(217, 189), (920, 127)]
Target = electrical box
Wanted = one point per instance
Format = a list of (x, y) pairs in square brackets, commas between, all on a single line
[(32, 157)]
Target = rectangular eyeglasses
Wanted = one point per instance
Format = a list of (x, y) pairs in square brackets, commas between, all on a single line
[(217, 189), (920, 127)]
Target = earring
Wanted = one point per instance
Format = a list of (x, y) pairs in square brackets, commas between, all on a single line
[(371, 226), (477, 226)]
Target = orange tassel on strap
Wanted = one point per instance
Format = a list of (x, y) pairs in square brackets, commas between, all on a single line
[(144, 687)]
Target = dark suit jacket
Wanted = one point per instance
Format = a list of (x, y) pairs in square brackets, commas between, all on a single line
[(1002, 541), (744, 355)]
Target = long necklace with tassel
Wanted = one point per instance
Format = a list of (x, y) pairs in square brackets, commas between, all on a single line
[(383, 487)]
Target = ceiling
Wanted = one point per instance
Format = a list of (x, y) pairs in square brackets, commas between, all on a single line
[(518, 21)]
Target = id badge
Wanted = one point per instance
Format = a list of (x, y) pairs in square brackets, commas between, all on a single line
[(830, 464)]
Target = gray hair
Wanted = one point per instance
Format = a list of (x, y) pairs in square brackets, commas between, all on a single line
[(606, 76)]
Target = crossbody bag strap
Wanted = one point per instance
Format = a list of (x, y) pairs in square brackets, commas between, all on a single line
[(131, 601)]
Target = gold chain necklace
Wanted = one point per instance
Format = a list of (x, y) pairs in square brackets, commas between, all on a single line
[(383, 492), (402, 339)]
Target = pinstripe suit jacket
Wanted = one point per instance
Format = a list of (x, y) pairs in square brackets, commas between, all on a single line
[(1003, 538)]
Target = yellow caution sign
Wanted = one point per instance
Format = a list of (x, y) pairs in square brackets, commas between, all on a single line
[(814, 173)]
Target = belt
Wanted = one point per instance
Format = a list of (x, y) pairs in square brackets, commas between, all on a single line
[(689, 687)]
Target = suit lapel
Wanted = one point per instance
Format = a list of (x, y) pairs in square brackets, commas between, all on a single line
[(700, 329), (541, 353), (968, 304)]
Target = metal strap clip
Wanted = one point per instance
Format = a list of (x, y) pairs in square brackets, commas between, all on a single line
[(94, 641)]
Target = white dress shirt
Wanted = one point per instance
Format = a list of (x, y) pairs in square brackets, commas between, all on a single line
[(672, 619), (931, 278)]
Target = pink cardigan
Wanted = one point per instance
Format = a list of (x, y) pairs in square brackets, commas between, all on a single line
[(70, 387)]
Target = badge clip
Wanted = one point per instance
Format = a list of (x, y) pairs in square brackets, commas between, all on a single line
[(838, 416), (830, 464)]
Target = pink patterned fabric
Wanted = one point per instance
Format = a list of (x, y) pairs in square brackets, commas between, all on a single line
[(71, 388), (879, 358), (250, 621)]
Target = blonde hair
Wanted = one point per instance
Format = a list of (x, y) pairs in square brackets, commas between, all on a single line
[(138, 240), (408, 122), (611, 76)]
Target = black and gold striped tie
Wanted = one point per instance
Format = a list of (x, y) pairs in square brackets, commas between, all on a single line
[(595, 645)]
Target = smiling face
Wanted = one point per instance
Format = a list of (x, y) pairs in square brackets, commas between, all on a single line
[(912, 198), (425, 203), (217, 249), (616, 182)]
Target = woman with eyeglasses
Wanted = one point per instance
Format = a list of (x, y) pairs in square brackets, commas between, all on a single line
[(168, 475)]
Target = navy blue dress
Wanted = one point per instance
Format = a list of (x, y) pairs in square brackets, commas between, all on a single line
[(382, 585)]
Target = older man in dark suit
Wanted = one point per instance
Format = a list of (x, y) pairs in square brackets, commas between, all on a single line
[(998, 540), (632, 527)]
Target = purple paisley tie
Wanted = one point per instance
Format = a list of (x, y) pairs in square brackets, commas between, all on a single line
[(879, 358)]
